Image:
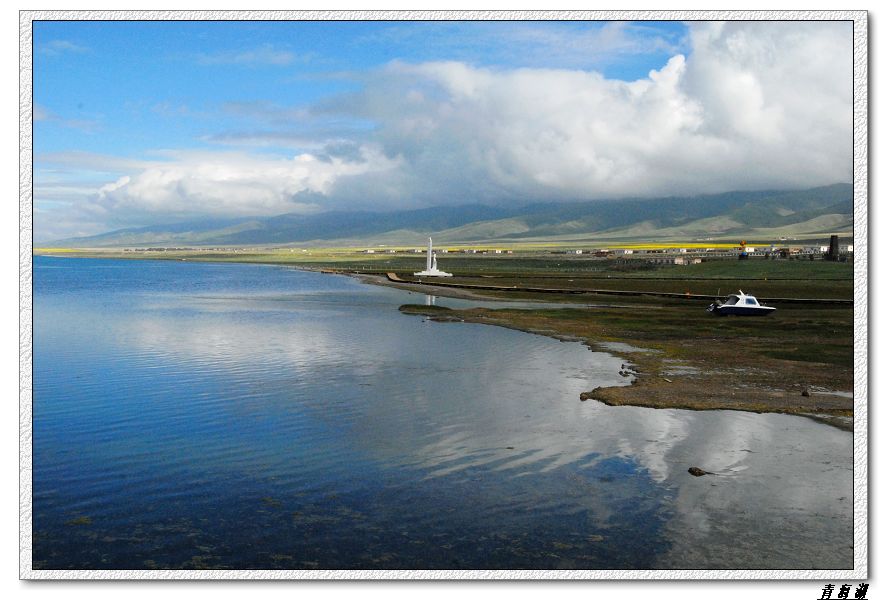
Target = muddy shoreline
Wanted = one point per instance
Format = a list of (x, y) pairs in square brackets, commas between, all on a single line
[(662, 375)]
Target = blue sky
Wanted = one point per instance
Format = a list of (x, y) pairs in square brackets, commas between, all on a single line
[(144, 122), (130, 87)]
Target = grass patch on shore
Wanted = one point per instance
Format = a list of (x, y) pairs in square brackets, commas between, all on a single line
[(424, 309)]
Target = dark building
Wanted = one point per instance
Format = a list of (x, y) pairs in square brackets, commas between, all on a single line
[(833, 250)]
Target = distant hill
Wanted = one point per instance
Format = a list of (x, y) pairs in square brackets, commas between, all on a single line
[(813, 212)]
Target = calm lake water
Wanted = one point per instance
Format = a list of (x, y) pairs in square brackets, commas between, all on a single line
[(194, 415)]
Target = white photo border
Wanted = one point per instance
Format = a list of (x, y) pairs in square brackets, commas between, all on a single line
[(861, 524)]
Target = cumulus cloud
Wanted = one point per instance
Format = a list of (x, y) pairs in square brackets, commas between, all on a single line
[(192, 184), (752, 105)]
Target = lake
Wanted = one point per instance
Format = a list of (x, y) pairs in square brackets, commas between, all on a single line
[(196, 415)]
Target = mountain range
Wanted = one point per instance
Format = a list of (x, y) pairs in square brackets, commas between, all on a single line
[(758, 215)]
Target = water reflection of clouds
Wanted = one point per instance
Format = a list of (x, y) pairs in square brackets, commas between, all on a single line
[(774, 470), (220, 344), (450, 399)]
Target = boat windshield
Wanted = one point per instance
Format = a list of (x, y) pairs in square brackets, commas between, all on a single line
[(732, 300)]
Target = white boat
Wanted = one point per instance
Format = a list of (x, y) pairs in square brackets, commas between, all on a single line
[(740, 304)]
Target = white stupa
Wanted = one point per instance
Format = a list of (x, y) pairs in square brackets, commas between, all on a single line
[(431, 265)]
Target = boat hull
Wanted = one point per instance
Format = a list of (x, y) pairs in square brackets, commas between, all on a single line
[(741, 311)]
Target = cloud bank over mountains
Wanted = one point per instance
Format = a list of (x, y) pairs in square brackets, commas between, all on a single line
[(753, 105)]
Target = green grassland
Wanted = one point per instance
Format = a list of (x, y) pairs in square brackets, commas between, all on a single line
[(783, 278), (534, 260)]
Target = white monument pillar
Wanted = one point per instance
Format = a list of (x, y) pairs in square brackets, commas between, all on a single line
[(431, 265)]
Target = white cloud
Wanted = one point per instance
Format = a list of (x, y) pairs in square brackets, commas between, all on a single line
[(193, 184), (585, 45), (43, 115), (753, 105), (78, 161), (59, 47), (40, 113), (577, 44), (265, 54)]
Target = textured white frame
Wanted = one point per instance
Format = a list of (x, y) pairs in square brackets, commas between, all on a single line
[(860, 294)]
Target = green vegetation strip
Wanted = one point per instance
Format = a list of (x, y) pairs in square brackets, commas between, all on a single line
[(689, 296)]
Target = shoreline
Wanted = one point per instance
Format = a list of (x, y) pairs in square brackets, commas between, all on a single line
[(672, 387), (661, 381)]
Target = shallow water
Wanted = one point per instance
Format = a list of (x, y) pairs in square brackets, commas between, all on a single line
[(242, 416)]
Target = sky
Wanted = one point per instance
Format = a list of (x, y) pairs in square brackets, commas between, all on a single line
[(141, 123)]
